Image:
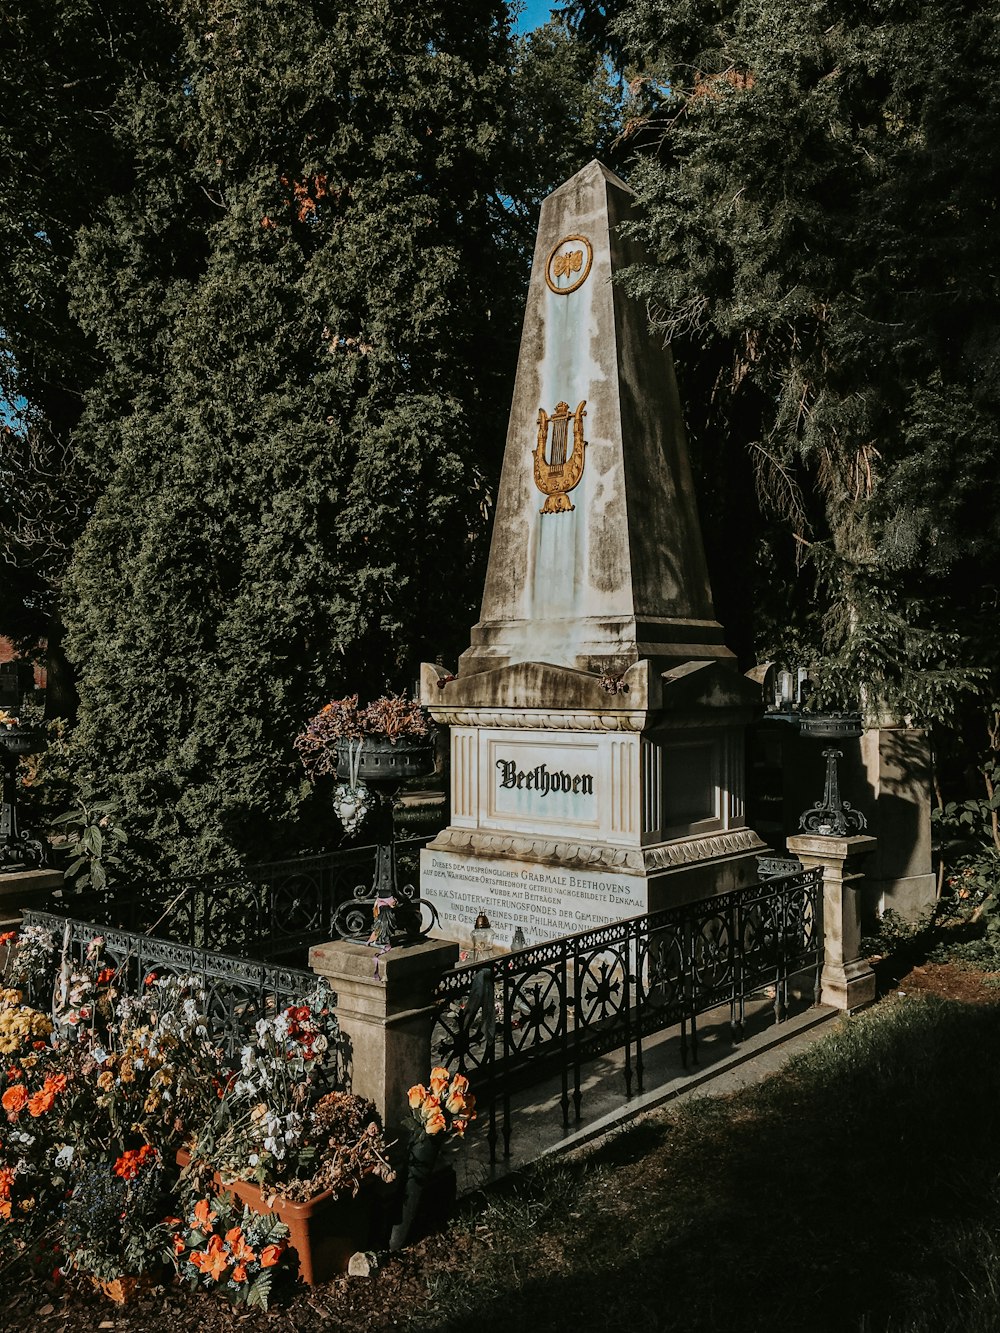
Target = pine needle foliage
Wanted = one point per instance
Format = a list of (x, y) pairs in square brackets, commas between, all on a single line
[(820, 192), (304, 304)]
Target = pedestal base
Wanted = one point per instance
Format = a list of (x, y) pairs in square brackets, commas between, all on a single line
[(550, 891)]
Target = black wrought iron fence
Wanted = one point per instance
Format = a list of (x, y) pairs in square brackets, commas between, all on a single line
[(551, 1008), (274, 910), (238, 991)]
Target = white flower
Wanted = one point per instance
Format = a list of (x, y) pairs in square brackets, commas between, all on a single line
[(320, 1044), (253, 1159), (65, 1155)]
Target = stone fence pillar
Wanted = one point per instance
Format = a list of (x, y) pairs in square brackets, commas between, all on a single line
[(21, 889), (386, 1014), (848, 981)]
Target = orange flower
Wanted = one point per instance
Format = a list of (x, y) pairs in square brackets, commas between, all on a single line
[(416, 1095), (105, 975), (242, 1252), (436, 1123), (459, 1085), (55, 1083), (5, 1210), (7, 936), (440, 1078), (203, 1214), (40, 1103), (270, 1255), (455, 1102), (179, 1246), (14, 1100), (239, 1273)]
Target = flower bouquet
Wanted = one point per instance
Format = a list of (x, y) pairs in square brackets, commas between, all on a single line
[(283, 1141), (234, 1251), (441, 1113)]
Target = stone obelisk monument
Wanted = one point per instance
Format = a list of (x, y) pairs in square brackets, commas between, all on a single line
[(597, 717)]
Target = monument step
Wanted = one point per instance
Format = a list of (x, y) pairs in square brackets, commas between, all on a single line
[(723, 1067)]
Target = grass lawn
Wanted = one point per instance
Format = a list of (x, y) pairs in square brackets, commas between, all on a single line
[(857, 1191)]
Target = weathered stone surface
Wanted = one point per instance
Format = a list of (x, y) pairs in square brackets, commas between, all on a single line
[(621, 575), (847, 980), (362, 1264), (597, 717)]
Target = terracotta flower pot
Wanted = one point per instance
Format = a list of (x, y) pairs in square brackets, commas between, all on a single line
[(123, 1290), (324, 1232)]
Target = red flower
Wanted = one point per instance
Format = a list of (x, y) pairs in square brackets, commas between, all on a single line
[(105, 975), (149, 978)]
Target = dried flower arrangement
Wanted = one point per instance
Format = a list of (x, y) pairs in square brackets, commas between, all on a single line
[(393, 716)]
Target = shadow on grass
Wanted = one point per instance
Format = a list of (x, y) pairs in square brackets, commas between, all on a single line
[(855, 1191)]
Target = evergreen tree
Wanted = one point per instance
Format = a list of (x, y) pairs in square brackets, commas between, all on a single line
[(820, 192), (305, 306), (62, 66)]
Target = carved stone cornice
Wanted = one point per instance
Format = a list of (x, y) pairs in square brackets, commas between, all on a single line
[(598, 856), (537, 719)]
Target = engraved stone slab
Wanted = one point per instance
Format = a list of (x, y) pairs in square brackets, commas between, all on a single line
[(546, 901)]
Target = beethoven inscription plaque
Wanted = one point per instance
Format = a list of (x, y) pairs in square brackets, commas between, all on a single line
[(545, 901)]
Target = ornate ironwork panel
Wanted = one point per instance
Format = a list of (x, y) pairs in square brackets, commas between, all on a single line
[(238, 991), (507, 1021), (269, 911)]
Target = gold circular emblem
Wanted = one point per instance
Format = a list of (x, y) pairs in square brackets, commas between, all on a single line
[(568, 265)]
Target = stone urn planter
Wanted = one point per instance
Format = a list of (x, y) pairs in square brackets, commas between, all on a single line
[(381, 760), (324, 1231), (17, 740)]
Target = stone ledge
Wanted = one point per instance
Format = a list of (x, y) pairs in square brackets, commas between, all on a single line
[(599, 856)]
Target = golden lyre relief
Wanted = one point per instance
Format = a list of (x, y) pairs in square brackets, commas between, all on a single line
[(568, 265), (556, 474)]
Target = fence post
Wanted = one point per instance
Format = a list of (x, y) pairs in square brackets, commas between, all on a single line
[(385, 1008), (847, 981), (20, 889)]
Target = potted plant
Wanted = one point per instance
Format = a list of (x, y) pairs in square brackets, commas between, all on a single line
[(384, 742), (287, 1147)]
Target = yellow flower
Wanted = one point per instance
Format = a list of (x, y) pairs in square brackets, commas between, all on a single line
[(440, 1078), (416, 1095), (106, 1080)]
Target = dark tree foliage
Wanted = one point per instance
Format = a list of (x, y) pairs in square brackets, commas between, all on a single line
[(820, 191), (305, 305), (62, 67)]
